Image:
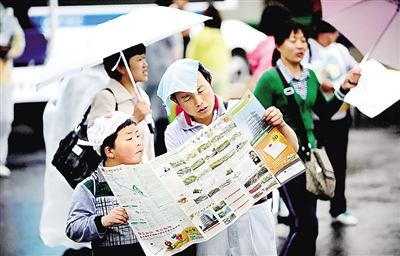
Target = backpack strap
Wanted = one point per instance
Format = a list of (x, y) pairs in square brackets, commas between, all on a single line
[(294, 109), (116, 103), (83, 121), (309, 51)]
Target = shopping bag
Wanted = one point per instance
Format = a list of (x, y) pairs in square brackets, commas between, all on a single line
[(320, 176)]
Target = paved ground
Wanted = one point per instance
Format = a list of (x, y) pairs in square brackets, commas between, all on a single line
[(373, 193), (373, 196)]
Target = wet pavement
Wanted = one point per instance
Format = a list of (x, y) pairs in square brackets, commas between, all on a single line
[(373, 196)]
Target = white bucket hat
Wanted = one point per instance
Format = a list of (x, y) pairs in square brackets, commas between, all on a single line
[(181, 76)]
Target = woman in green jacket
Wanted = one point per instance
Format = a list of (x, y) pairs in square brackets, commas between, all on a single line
[(291, 44)]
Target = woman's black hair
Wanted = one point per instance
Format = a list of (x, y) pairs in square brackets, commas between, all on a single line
[(286, 29), (110, 140), (206, 74), (165, 3), (110, 61), (274, 15), (321, 26), (216, 20), (284, 33)]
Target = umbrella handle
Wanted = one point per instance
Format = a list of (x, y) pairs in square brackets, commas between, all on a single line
[(150, 123), (149, 118), (380, 37), (130, 76)]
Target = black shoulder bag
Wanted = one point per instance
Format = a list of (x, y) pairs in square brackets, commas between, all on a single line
[(320, 176), (76, 162)]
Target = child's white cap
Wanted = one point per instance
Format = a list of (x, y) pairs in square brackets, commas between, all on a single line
[(102, 127), (180, 76)]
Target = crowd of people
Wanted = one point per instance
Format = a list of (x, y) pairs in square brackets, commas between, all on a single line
[(320, 71)]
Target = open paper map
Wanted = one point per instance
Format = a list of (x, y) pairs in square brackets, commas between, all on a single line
[(191, 194)]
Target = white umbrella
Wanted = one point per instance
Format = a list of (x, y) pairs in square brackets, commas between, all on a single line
[(142, 25), (373, 27)]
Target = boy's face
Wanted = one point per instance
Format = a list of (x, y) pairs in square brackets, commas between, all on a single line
[(138, 67), (200, 106), (128, 147)]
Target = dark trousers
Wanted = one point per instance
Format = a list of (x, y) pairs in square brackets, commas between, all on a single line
[(334, 135), (302, 220)]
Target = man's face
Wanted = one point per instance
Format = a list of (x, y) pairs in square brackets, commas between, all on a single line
[(128, 147), (200, 106), (138, 67)]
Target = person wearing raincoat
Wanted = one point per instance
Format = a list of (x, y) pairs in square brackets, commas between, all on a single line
[(209, 48), (61, 114)]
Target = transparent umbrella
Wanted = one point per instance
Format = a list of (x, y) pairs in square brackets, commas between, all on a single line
[(372, 26)]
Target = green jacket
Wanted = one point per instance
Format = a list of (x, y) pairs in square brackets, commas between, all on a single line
[(269, 91)]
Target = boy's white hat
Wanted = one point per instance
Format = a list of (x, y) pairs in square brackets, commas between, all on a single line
[(180, 76), (102, 127)]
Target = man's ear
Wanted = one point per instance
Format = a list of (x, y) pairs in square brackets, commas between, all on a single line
[(174, 100)]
